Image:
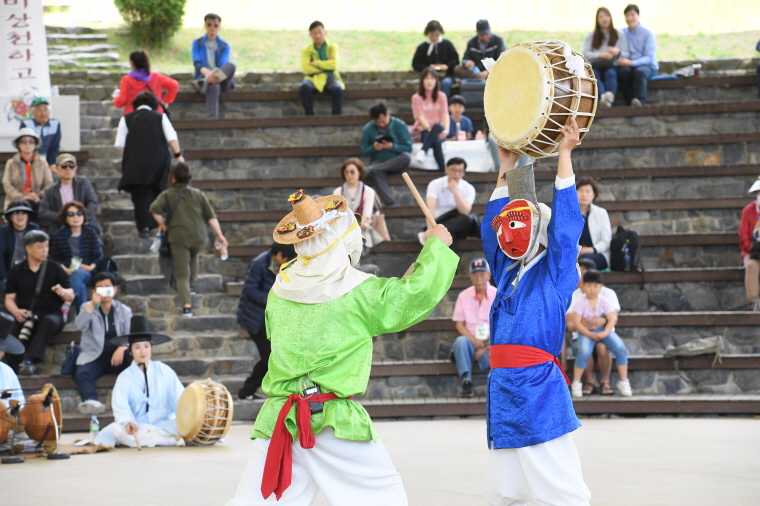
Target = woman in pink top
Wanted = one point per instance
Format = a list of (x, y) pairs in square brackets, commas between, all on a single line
[(431, 116)]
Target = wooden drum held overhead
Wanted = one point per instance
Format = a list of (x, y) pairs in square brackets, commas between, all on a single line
[(38, 421), (532, 90), (204, 412)]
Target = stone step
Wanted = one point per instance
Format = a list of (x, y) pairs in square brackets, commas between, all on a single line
[(167, 306), (77, 56), (145, 285), (76, 37)]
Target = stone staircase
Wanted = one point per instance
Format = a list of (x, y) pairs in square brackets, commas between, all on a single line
[(677, 171), (72, 47)]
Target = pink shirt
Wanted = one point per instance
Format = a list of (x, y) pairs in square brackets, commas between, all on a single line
[(432, 111), (67, 193), (471, 311), (581, 306)]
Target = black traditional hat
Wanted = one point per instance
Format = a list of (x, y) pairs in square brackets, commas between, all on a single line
[(8, 343), (140, 332)]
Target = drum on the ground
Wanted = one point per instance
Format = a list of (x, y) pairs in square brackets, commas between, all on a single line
[(204, 412), (6, 423), (37, 418), (532, 90)]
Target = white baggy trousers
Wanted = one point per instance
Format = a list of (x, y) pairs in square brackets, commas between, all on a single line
[(547, 474), (349, 473)]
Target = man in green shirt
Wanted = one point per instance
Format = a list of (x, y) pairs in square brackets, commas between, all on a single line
[(321, 317), (319, 60)]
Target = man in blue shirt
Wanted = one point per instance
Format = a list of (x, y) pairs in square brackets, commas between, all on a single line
[(634, 73), (387, 143), (49, 130), (532, 251), (484, 45), (459, 122), (214, 71)]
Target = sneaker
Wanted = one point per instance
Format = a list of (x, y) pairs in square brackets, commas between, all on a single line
[(576, 389), (145, 233), (244, 395), (467, 389), (27, 368), (624, 387), (420, 156), (421, 237), (91, 407), (192, 290), (607, 99), (636, 103), (187, 312)]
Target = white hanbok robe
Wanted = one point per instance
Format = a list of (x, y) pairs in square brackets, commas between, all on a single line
[(130, 401), (9, 381)]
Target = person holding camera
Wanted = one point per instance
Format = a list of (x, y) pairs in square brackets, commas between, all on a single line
[(100, 320), (749, 244), (35, 291)]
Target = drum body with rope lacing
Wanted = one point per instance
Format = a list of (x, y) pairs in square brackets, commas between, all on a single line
[(532, 90)]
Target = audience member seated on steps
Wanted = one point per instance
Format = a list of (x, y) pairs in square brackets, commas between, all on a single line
[(602, 47), (387, 143), (187, 230), (471, 314), (431, 116), (27, 174), (145, 396), (142, 136), (8, 379), (450, 199), (458, 122), (484, 45), (597, 231), (69, 188), (749, 245), (100, 320), (635, 71), (142, 79), (48, 129), (319, 61), (37, 318), (214, 72), (437, 54), (361, 198), (259, 279), (591, 305), (77, 247), (12, 248), (601, 354)]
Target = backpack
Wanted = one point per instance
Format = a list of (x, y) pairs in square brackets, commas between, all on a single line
[(622, 239)]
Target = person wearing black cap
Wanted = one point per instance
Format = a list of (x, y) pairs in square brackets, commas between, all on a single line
[(145, 396), (8, 380), (484, 45), (12, 250), (49, 130)]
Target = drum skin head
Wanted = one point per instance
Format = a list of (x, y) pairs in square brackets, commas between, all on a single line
[(190, 410), (516, 94), (204, 412)]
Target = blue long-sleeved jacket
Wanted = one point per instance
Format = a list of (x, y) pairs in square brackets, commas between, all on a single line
[(259, 279), (222, 55)]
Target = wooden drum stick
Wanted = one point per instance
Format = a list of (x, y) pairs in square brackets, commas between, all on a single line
[(139, 448), (420, 202)]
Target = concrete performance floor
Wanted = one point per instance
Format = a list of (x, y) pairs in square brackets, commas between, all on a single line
[(632, 462)]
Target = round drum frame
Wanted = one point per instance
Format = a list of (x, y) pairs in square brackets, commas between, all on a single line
[(35, 421), (204, 412), (563, 95)]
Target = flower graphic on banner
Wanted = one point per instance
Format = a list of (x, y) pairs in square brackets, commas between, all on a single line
[(20, 108)]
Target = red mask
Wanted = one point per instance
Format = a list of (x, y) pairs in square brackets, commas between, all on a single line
[(514, 227)]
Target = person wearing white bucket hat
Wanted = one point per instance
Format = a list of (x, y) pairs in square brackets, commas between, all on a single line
[(27, 173), (321, 316), (749, 244)]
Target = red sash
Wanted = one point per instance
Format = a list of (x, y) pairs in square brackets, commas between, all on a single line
[(278, 468), (516, 355)]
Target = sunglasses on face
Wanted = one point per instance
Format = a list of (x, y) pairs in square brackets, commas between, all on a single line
[(68, 165), (71, 214), (27, 141)]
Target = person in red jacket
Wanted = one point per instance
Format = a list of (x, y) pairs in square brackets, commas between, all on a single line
[(749, 243), (142, 79)]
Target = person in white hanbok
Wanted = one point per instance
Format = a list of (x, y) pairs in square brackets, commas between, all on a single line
[(145, 396), (10, 388)]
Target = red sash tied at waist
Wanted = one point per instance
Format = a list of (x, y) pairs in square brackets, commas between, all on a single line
[(512, 356), (278, 467)]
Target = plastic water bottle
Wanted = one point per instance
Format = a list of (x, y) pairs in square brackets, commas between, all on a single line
[(222, 250), (94, 428), (626, 258), (461, 136), (156, 245)]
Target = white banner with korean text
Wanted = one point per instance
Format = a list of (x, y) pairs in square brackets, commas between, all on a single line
[(24, 71)]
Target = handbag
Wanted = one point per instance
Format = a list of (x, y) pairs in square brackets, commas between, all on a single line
[(165, 249), (69, 365)]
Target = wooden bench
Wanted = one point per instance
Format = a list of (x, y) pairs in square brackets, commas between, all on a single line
[(81, 156)]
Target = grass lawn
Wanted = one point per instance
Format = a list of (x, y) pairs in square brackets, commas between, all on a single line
[(374, 50)]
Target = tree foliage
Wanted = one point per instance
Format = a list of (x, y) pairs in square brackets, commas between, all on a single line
[(153, 22)]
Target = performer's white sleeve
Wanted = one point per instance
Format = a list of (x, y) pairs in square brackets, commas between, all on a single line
[(501, 192), (561, 184)]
